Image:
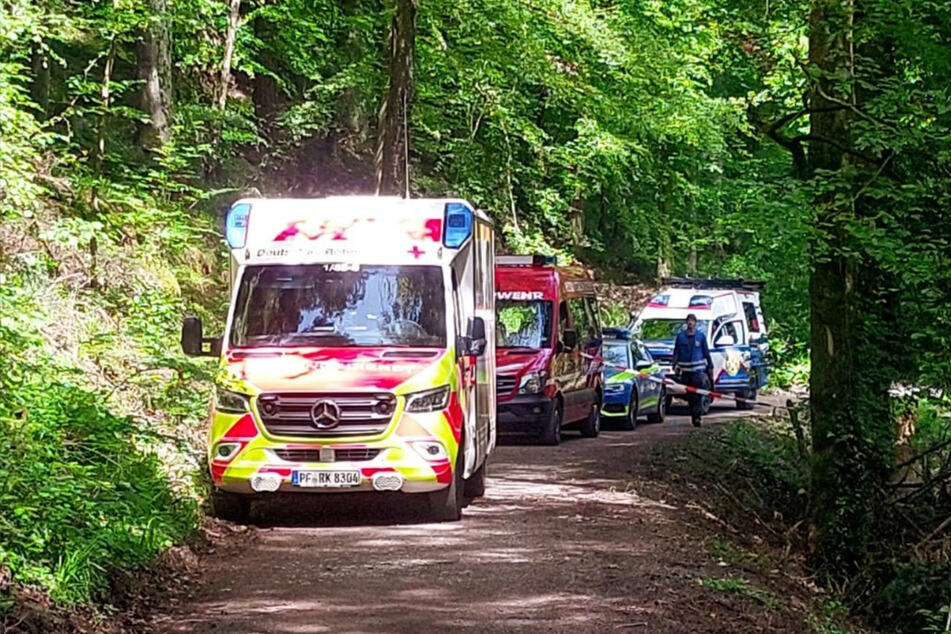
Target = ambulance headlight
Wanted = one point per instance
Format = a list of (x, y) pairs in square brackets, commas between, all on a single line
[(230, 402), (532, 383), (457, 226), (428, 400), (236, 225)]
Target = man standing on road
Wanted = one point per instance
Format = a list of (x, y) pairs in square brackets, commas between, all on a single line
[(693, 365)]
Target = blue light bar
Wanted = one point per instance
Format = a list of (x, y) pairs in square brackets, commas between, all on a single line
[(458, 225), (236, 225)]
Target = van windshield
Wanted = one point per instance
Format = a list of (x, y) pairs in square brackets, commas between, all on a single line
[(340, 305), (665, 329), (522, 324)]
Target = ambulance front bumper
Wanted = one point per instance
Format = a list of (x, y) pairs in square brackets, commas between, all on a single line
[(263, 470)]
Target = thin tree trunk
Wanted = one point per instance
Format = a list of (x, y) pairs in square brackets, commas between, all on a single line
[(105, 95), (155, 71), (392, 155), (267, 95), (225, 83)]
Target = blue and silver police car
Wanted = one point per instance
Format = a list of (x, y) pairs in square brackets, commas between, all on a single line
[(626, 394)]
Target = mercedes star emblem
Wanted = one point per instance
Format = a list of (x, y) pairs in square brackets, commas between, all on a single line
[(325, 414)]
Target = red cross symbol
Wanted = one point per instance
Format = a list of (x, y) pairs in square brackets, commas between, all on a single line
[(416, 252)]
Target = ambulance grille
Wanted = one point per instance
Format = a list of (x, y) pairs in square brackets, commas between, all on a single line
[(360, 414), (504, 384), (359, 454)]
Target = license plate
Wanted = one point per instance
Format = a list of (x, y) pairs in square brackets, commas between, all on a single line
[(330, 479)]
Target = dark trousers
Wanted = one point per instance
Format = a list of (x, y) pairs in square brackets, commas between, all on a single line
[(699, 380)]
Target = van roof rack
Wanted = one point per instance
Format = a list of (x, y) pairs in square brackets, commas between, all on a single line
[(535, 259), (714, 283)]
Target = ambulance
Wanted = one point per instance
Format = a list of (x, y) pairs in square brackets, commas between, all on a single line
[(358, 352), (729, 315)]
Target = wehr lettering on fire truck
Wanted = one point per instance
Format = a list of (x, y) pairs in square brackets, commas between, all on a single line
[(520, 296)]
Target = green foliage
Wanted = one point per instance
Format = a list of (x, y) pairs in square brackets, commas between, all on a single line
[(82, 492)]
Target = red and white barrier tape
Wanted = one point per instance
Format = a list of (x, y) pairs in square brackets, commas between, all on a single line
[(689, 389)]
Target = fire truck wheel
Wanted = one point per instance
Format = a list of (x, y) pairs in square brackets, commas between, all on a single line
[(475, 484), (445, 505), (551, 434), (591, 426), (230, 506)]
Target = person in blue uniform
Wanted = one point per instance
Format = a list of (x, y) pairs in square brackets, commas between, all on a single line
[(693, 365)]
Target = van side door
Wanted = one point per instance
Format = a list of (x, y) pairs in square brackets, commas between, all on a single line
[(731, 356)]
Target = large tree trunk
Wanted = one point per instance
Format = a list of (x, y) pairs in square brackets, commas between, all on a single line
[(392, 155), (849, 383), (155, 71), (224, 87)]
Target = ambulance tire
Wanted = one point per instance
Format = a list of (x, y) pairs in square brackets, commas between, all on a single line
[(551, 433), (591, 426), (230, 506), (750, 394), (475, 484), (657, 416), (629, 422), (445, 505)]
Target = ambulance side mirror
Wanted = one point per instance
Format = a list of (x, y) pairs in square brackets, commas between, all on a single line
[(193, 340), (474, 343)]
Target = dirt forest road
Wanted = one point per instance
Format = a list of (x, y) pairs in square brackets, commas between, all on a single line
[(559, 544)]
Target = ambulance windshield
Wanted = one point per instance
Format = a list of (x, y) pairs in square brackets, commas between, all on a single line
[(340, 305), (665, 329), (521, 324)]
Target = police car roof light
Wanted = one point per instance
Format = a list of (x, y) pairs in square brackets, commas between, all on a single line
[(616, 333), (458, 225), (236, 225)]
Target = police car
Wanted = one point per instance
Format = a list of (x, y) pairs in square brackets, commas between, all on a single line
[(627, 395)]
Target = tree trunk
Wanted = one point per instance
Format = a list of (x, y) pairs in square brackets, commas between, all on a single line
[(848, 381), (392, 155), (40, 88), (155, 71), (267, 96), (105, 94), (224, 86)]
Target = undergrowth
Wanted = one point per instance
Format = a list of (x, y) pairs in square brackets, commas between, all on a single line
[(753, 477), (101, 416)]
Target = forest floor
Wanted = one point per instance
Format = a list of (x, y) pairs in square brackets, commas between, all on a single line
[(590, 536)]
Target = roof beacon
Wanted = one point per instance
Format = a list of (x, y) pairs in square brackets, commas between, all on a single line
[(458, 225), (236, 225)]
